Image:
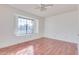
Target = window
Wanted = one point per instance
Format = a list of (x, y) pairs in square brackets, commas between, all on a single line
[(25, 26)]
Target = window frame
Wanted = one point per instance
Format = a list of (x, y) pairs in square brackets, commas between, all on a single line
[(36, 26)]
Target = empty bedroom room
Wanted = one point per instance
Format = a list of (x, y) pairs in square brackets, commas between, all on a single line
[(39, 29)]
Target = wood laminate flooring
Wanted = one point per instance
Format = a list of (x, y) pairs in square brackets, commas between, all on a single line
[(41, 46)]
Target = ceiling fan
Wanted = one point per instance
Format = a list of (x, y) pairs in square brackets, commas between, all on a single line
[(44, 7)]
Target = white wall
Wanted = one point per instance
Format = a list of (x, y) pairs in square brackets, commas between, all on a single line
[(8, 25), (64, 27)]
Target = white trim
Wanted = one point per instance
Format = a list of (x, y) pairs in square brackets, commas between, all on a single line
[(36, 26), (17, 15)]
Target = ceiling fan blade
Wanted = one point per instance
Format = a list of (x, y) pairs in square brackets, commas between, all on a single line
[(46, 5), (43, 7)]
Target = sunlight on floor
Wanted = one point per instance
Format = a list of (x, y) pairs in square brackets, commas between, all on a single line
[(27, 51)]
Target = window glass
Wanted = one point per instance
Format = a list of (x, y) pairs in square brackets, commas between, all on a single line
[(24, 26)]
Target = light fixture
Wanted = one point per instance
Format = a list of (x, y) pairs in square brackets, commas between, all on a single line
[(44, 7)]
